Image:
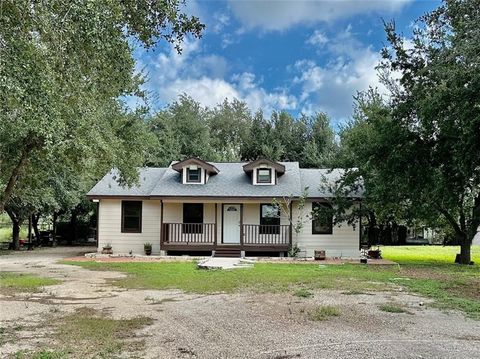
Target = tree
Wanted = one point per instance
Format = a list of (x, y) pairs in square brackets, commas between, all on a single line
[(182, 131), (63, 66), (321, 148), (229, 124), (420, 152)]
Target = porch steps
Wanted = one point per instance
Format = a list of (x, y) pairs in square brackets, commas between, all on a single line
[(228, 252)]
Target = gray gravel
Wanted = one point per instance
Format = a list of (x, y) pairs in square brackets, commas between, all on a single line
[(242, 325)]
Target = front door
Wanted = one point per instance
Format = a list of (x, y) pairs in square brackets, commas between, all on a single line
[(231, 223)]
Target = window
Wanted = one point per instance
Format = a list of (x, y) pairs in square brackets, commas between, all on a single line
[(264, 175), (193, 175), (131, 216), (269, 219), (192, 218), (322, 218)]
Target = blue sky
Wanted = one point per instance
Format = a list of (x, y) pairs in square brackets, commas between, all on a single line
[(298, 56)]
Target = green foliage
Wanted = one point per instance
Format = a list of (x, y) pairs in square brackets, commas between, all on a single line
[(64, 66), (419, 153), (293, 251), (229, 132)]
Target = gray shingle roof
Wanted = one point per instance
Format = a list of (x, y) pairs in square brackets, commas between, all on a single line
[(108, 185), (230, 182)]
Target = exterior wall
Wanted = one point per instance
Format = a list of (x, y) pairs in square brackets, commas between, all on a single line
[(343, 242), (110, 223)]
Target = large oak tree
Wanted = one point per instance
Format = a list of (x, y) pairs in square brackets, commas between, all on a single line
[(63, 67), (419, 152)]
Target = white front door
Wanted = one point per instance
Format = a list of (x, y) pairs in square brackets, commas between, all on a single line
[(231, 223)]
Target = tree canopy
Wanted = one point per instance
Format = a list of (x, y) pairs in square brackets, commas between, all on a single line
[(63, 67), (419, 151), (230, 132)]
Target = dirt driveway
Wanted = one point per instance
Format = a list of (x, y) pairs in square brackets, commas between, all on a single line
[(242, 325)]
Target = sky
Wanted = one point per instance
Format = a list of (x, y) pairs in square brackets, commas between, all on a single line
[(296, 56)]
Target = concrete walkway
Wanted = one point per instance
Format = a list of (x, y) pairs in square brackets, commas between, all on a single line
[(225, 263)]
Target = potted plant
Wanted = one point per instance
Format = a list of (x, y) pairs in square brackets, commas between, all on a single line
[(107, 249), (148, 248)]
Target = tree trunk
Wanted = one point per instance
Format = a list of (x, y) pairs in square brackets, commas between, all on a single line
[(15, 230), (465, 244), (54, 223), (16, 235)]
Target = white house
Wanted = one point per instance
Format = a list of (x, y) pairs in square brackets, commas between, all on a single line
[(222, 208)]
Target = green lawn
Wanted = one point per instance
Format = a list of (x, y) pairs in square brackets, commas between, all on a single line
[(14, 282), (451, 286), (426, 254)]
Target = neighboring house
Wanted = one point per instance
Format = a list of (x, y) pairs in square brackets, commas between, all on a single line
[(226, 208)]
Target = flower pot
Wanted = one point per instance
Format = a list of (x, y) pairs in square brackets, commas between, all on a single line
[(107, 250), (148, 251)]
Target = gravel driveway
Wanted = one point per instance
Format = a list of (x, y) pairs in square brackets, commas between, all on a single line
[(242, 325)]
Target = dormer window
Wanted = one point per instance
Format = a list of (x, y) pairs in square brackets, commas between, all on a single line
[(264, 175), (193, 175), (264, 172), (195, 171)]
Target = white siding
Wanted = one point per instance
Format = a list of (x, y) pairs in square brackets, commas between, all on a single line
[(110, 231), (343, 242)]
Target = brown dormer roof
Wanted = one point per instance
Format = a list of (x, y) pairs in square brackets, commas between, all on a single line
[(211, 169), (279, 168)]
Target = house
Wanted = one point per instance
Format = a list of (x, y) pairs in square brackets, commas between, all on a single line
[(230, 209)]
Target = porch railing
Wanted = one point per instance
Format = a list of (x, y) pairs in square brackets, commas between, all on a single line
[(273, 235), (188, 233)]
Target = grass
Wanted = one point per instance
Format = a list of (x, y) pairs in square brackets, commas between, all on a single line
[(87, 333), (426, 255), (42, 354), (262, 278), (451, 286), (391, 308), (14, 282), (91, 334), (303, 293), (324, 312)]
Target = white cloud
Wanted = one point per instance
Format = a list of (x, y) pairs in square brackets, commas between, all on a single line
[(318, 38), (219, 22), (279, 15), (330, 87), (204, 78)]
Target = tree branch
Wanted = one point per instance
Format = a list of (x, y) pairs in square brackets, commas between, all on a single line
[(451, 220)]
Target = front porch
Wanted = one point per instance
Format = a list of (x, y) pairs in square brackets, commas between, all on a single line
[(230, 230)]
